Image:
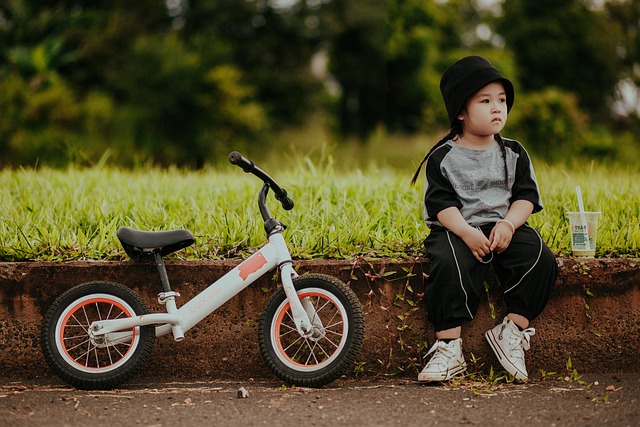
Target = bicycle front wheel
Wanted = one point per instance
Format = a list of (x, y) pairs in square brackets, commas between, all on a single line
[(95, 363), (338, 323)]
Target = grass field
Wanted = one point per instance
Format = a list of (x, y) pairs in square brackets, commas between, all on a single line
[(73, 214)]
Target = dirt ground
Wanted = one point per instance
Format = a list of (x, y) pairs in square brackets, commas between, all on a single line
[(600, 399)]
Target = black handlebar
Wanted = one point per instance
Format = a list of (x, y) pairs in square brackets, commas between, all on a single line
[(241, 161), (249, 166)]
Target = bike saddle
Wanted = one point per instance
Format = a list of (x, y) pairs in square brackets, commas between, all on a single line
[(141, 245)]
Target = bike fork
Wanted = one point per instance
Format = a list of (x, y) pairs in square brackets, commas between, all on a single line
[(300, 315)]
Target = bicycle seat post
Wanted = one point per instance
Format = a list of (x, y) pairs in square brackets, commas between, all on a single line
[(168, 297)]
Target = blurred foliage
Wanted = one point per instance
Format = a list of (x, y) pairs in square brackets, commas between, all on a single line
[(418, 32), (565, 44), (183, 82), (550, 122)]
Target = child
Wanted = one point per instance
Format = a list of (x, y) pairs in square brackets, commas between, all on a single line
[(480, 190)]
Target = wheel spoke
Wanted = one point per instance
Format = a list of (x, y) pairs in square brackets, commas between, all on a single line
[(290, 330), (86, 316), (335, 314), (85, 328), (338, 335), (115, 347), (335, 345), (312, 353), (338, 323), (109, 355), (300, 347), (323, 306), (86, 354), (79, 345), (110, 311), (323, 351), (98, 311), (297, 340), (95, 353), (75, 337)]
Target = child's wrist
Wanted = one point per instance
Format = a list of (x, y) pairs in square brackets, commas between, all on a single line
[(506, 221)]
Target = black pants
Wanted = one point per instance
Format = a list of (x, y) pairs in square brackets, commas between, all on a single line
[(527, 271)]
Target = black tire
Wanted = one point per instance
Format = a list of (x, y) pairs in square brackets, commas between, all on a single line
[(72, 355), (313, 362)]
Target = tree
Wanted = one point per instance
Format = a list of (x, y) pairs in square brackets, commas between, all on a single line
[(564, 43), (42, 112), (388, 56), (271, 45), (81, 77), (412, 57), (193, 107), (357, 61), (626, 13)]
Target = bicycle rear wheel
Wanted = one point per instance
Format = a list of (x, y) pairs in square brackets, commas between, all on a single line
[(336, 314), (85, 362)]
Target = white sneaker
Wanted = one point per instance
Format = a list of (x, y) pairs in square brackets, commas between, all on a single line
[(509, 343), (446, 362)]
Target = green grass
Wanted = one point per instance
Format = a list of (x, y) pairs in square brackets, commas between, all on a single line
[(73, 214)]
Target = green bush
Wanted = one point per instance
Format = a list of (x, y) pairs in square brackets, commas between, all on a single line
[(41, 115), (549, 123)]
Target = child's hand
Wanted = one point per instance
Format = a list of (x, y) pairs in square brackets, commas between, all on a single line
[(500, 237), (477, 243)]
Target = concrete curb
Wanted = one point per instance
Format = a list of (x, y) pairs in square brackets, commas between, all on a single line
[(593, 317)]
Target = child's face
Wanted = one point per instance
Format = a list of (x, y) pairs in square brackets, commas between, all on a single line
[(485, 112)]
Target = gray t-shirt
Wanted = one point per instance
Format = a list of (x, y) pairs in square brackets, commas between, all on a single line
[(474, 181)]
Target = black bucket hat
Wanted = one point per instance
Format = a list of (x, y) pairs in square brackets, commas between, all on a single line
[(466, 77)]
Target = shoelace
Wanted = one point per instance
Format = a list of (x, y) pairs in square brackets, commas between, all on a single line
[(442, 352), (518, 340)]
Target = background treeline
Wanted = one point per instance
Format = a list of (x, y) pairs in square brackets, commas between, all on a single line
[(184, 81)]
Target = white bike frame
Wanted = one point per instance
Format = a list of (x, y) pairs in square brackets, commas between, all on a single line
[(177, 321)]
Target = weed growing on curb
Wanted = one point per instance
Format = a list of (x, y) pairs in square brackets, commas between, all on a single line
[(479, 381)]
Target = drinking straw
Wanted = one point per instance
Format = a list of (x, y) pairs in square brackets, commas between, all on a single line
[(583, 218)]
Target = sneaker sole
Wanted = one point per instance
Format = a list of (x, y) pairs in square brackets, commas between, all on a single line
[(502, 357), (444, 376)]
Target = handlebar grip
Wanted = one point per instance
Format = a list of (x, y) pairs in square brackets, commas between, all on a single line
[(239, 160), (287, 203)]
